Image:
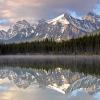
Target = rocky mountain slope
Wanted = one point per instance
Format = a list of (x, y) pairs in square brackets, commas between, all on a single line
[(63, 27)]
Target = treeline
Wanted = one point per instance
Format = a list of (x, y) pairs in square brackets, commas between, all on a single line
[(83, 45)]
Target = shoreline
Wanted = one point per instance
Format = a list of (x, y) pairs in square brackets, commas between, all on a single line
[(48, 55)]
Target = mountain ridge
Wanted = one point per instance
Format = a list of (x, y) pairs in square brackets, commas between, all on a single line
[(63, 27)]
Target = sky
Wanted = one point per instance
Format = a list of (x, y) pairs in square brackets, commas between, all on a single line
[(34, 10)]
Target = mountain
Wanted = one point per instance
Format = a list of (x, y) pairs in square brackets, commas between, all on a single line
[(92, 17), (73, 27), (63, 81), (20, 31), (63, 27)]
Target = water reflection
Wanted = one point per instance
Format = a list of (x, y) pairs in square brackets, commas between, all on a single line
[(85, 64), (49, 77), (59, 84)]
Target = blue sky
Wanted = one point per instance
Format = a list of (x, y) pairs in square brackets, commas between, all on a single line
[(97, 9), (33, 10)]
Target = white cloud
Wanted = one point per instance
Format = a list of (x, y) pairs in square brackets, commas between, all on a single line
[(14, 10)]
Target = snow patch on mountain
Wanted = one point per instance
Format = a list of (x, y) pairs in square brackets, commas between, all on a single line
[(60, 18), (63, 27)]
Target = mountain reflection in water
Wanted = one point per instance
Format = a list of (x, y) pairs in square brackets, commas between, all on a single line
[(31, 81), (49, 78)]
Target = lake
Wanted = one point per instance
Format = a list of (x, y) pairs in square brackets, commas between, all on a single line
[(44, 77)]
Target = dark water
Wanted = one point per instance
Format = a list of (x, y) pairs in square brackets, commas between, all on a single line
[(49, 78)]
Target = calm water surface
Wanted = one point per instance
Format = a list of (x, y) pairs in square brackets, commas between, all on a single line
[(49, 78)]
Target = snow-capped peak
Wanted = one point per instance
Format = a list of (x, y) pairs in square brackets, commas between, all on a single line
[(22, 24), (91, 14), (62, 19), (63, 27), (92, 17)]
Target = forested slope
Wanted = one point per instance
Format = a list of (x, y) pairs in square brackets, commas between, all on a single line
[(83, 45)]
